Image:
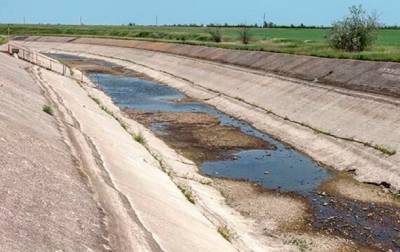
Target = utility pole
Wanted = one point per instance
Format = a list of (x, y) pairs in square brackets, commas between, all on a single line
[(80, 20), (156, 20), (24, 20), (263, 25)]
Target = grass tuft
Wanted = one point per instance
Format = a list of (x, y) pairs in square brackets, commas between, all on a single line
[(301, 244), (385, 150), (139, 138), (47, 109), (96, 100), (188, 194), (224, 231)]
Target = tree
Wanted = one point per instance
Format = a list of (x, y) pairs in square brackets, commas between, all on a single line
[(355, 32), (215, 34), (244, 34)]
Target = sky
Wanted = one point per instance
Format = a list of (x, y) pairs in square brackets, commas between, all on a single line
[(116, 12)]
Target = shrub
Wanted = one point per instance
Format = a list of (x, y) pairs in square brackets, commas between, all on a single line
[(355, 32), (244, 35), (215, 34)]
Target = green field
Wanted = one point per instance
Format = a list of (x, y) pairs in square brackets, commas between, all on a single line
[(302, 41), (2, 40)]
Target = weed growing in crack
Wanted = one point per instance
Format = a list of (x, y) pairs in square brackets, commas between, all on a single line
[(385, 150), (225, 232), (47, 109), (122, 123), (139, 138), (188, 194), (96, 100)]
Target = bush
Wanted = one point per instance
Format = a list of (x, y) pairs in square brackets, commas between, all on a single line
[(355, 32), (216, 35), (244, 35)]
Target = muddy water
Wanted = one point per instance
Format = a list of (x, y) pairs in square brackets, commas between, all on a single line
[(225, 147)]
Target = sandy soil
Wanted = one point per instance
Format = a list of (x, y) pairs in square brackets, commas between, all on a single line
[(198, 136), (350, 188), (279, 215), (88, 66), (272, 211)]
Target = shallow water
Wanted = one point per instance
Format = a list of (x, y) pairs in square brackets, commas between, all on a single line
[(282, 169)]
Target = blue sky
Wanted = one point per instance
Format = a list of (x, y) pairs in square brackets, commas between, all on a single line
[(319, 12)]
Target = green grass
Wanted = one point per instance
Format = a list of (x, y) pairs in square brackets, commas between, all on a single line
[(302, 41), (3, 40)]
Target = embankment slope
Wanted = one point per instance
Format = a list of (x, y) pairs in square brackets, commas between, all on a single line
[(368, 76), (46, 204), (77, 180)]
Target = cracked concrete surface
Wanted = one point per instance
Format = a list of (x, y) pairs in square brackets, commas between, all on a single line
[(46, 203)]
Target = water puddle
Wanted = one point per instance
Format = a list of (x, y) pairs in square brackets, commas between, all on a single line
[(225, 147)]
